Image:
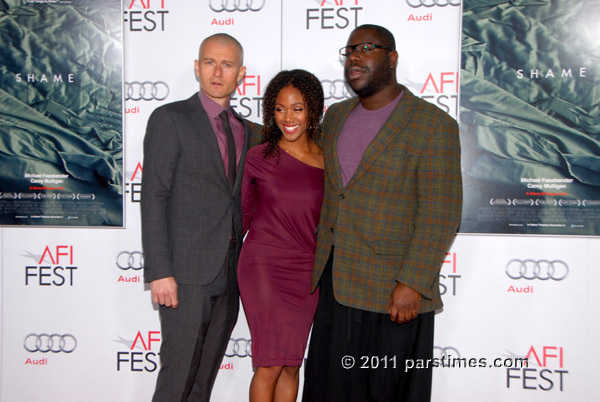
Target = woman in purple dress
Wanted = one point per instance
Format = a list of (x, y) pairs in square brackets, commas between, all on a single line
[(282, 193)]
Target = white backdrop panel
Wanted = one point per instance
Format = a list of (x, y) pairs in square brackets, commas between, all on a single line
[(108, 309)]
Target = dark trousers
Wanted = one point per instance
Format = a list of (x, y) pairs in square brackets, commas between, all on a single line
[(195, 336), (377, 348)]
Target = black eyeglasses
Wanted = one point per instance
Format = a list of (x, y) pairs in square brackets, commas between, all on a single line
[(363, 47)]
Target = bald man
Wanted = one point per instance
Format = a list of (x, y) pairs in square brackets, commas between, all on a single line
[(194, 152)]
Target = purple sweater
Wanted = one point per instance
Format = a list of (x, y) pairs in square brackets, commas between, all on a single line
[(360, 128)]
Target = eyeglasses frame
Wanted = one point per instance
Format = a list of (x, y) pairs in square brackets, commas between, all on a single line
[(355, 48)]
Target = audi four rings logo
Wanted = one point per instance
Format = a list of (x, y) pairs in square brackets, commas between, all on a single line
[(130, 260), (335, 89), (445, 352), (218, 6), (146, 90), (54, 343), (432, 3), (541, 269), (240, 347)]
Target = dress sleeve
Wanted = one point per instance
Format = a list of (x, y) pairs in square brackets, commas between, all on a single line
[(248, 196)]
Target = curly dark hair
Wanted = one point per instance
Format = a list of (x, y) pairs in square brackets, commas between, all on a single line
[(312, 92)]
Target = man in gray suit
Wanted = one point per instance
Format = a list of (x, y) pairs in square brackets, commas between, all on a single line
[(194, 152)]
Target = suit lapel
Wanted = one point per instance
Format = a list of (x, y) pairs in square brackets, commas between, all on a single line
[(335, 174), (393, 127)]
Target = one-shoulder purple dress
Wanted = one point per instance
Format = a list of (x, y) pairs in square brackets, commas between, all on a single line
[(281, 203)]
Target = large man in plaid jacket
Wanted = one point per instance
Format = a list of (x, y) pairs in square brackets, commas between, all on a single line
[(391, 209)]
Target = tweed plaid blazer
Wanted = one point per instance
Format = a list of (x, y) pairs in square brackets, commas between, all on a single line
[(398, 215)]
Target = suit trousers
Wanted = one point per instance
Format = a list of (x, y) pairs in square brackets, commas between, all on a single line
[(359, 356), (195, 336)]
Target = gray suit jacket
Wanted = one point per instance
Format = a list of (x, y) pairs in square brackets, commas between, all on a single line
[(187, 205)]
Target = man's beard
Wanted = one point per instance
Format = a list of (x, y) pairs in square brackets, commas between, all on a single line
[(379, 78)]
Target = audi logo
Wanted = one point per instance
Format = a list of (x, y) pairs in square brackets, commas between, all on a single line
[(432, 3), (218, 6), (335, 89), (445, 352), (54, 343), (541, 269), (146, 90), (240, 347), (130, 260)]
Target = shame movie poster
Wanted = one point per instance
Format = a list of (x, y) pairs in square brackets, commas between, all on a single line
[(61, 123), (530, 117)]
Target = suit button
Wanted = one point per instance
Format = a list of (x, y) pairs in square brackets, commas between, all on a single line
[(331, 229), (342, 196)]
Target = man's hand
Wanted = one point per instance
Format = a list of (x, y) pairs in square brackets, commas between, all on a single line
[(404, 305), (164, 291)]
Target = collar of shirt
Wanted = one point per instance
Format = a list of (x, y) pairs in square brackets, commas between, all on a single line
[(213, 109)]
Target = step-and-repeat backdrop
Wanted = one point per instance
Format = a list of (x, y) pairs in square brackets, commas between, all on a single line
[(78, 323)]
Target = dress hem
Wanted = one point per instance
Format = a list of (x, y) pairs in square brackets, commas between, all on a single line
[(278, 362)]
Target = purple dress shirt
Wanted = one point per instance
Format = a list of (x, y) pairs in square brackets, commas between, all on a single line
[(213, 109)]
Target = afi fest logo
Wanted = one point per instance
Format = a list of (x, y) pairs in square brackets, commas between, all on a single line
[(449, 275), (55, 267), (333, 14), (442, 90), (246, 99), (545, 371), (529, 271), (133, 186), (144, 15), (142, 353)]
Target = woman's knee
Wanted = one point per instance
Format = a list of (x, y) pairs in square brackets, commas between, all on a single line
[(269, 373)]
